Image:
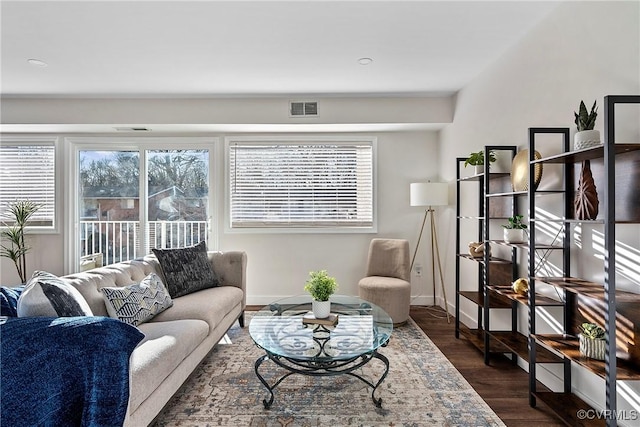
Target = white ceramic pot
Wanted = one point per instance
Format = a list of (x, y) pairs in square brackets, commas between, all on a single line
[(321, 309), (514, 235), (586, 139)]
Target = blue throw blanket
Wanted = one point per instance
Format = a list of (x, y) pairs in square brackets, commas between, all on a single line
[(67, 371)]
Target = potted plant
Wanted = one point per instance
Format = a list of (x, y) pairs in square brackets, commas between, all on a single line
[(585, 121), (514, 230), (592, 341), (321, 286), (477, 159), (15, 247)]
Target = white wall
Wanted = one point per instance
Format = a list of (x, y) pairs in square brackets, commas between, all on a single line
[(278, 263), (582, 51)]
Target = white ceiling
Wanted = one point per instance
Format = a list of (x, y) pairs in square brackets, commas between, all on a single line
[(258, 48)]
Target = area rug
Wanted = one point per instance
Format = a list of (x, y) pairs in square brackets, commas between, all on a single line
[(422, 389)]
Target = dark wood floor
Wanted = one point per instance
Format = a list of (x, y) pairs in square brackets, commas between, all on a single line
[(502, 385)]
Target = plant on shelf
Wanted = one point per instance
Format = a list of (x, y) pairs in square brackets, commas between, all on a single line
[(321, 286), (15, 248), (515, 223), (592, 341), (514, 230), (585, 122), (477, 158)]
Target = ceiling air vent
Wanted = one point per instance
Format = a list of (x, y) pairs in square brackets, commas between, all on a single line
[(303, 108)]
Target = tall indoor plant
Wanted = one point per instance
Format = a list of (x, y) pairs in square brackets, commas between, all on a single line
[(14, 246), (321, 286)]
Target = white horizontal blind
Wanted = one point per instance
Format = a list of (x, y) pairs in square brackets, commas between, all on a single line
[(294, 185), (27, 172)]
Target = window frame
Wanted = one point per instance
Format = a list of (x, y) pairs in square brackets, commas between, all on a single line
[(58, 168), (302, 139), (73, 145)]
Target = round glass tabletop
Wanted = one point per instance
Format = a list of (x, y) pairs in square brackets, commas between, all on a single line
[(362, 328)]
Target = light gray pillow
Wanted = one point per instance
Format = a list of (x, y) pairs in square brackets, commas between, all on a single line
[(47, 295), (137, 303)]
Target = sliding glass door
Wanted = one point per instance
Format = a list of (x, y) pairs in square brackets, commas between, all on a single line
[(133, 200)]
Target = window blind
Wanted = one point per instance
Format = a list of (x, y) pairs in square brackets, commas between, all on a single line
[(27, 172), (301, 184)]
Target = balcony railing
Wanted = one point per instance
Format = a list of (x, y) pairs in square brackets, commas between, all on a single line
[(120, 240)]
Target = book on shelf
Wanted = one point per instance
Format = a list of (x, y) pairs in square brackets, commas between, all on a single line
[(310, 319)]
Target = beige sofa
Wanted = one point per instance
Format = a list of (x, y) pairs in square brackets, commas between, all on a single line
[(177, 339)]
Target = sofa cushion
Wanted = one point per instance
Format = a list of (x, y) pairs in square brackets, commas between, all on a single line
[(139, 302), (186, 270), (46, 295), (210, 305), (164, 347)]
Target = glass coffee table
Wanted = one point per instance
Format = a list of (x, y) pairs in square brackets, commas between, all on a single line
[(321, 350)]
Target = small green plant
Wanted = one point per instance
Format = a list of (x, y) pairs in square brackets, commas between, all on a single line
[(592, 331), (515, 222), (477, 158), (584, 120), (15, 248), (320, 285)]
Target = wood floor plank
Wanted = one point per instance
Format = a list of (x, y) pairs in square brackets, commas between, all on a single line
[(503, 385)]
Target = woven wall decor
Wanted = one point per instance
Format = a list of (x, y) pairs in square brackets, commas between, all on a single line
[(586, 202)]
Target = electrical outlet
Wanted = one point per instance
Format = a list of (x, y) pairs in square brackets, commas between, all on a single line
[(418, 270)]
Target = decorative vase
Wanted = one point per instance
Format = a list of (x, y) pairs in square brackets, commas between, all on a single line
[(586, 139), (476, 249), (592, 348), (586, 201), (321, 309), (514, 235)]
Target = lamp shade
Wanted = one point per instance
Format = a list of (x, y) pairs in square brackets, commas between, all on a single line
[(429, 194)]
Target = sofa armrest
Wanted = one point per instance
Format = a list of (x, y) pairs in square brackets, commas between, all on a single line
[(231, 268)]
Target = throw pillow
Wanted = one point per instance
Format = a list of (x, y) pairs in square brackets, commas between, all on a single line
[(9, 300), (186, 270), (137, 303), (46, 295)]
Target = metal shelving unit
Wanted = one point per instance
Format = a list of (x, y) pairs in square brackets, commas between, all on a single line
[(616, 308)]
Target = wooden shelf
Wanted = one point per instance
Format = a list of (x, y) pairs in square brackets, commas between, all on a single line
[(481, 260), (525, 245), (478, 299), (569, 347), (568, 221), (586, 154), (588, 288), (517, 343), (567, 407), (508, 194), (541, 300)]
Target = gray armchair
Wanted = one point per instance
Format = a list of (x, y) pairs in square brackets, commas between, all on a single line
[(387, 282)]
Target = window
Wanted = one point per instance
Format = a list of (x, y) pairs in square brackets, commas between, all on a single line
[(27, 172), (128, 195), (301, 184), (112, 201)]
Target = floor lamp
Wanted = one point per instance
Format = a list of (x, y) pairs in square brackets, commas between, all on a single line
[(431, 194)]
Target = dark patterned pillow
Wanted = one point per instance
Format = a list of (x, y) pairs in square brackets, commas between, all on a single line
[(46, 295), (139, 302), (186, 270)]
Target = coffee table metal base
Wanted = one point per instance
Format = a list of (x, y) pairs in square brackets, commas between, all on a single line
[(322, 369)]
